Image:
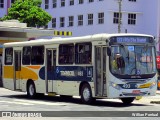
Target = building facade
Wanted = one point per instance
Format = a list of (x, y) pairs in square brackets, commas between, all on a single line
[(84, 17)]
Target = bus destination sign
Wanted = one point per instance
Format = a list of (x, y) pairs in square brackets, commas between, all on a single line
[(131, 39)]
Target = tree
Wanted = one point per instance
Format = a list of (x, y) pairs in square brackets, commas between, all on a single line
[(28, 11)]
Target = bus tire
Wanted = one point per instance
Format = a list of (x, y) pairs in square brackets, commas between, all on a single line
[(86, 94), (128, 100), (31, 90)]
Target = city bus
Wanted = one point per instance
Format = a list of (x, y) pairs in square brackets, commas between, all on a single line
[(82, 66), (158, 69)]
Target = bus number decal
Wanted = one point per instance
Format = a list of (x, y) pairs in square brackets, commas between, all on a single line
[(80, 73), (126, 86)]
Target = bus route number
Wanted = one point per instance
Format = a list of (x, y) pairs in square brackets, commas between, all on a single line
[(127, 86)]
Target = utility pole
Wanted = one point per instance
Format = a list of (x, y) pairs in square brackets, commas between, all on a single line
[(120, 15)]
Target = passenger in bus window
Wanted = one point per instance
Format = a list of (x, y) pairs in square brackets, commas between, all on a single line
[(61, 59), (118, 63), (81, 49)]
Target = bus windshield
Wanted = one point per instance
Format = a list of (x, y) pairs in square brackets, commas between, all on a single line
[(133, 59)]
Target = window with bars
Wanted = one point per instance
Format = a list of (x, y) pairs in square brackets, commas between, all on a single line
[(1, 3), (62, 3), (46, 4), (132, 0), (12, 1), (71, 19), (53, 22), (90, 19), (101, 18), (54, 3), (131, 19), (62, 21), (81, 1), (80, 20), (90, 1), (71, 2), (116, 17)]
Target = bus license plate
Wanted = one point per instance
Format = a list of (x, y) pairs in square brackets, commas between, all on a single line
[(136, 91)]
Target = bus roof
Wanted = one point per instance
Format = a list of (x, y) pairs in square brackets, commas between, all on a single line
[(89, 38)]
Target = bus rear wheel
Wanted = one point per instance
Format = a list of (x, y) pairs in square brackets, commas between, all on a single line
[(127, 101), (31, 90), (86, 94)]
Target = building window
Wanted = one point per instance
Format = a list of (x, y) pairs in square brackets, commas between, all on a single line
[(12, 1), (1, 3), (26, 57), (131, 19), (37, 56), (91, 1), (62, 21), (132, 0), (53, 22), (81, 1), (8, 56), (46, 4), (66, 54), (100, 18), (80, 20), (90, 19), (116, 17), (83, 52), (71, 2), (71, 19), (54, 3), (62, 3)]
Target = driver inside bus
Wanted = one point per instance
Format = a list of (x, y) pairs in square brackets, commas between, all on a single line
[(118, 63)]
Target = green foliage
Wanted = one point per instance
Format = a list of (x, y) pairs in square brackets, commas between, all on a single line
[(27, 11)]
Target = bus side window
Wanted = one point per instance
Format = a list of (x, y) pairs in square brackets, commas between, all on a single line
[(37, 57), (66, 54), (8, 56), (26, 58), (83, 53)]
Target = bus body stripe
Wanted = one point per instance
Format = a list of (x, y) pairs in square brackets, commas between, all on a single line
[(25, 73), (34, 67), (68, 73)]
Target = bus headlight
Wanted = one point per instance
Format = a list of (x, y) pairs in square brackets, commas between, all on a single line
[(116, 86), (152, 85)]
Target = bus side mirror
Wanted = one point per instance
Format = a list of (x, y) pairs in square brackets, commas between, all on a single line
[(108, 51)]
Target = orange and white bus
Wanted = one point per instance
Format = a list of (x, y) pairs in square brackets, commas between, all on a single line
[(82, 66)]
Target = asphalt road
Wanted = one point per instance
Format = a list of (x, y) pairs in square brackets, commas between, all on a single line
[(12, 101)]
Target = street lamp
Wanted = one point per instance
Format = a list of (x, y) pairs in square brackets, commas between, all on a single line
[(120, 15)]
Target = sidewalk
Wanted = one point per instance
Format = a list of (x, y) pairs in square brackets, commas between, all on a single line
[(150, 99)]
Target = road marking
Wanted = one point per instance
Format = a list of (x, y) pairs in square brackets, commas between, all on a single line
[(12, 102), (39, 102)]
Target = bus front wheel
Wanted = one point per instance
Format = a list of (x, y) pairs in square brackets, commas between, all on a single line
[(31, 90), (86, 94), (127, 100)]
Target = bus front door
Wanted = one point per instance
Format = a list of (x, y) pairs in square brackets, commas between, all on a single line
[(100, 70), (50, 69), (17, 69)]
